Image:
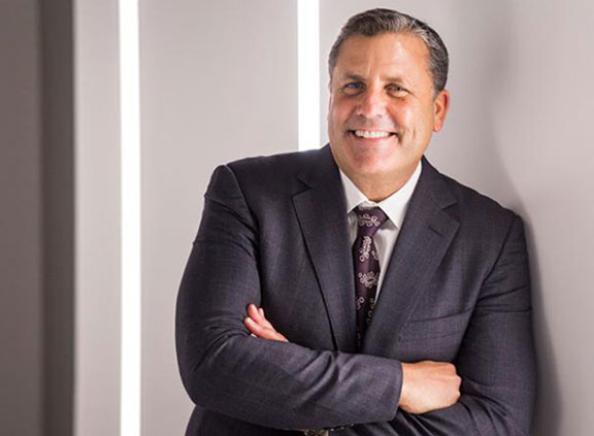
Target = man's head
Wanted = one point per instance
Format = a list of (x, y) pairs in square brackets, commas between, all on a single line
[(387, 77), (376, 21)]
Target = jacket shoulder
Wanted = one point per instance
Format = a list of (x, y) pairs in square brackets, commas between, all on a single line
[(479, 212), (272, 174)]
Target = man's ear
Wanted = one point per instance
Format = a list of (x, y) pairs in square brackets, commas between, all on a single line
[(441, 104)]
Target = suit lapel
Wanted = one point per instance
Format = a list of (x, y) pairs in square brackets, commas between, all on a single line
[(426, 234), (321, 212)]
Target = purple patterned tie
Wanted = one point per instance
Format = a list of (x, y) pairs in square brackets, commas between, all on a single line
[(367, 267)]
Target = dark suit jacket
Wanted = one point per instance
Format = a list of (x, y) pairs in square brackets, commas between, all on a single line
[(274, 233)]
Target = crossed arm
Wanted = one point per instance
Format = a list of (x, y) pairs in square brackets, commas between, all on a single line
[(279, 384), (426, 386)]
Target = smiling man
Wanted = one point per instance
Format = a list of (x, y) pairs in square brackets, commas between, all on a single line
[(383, 110), (355, 289)]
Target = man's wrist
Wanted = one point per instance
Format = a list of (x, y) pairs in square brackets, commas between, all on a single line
[(403, 397)]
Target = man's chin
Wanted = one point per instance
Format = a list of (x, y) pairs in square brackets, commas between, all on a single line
[(374, 155), (369, 169)]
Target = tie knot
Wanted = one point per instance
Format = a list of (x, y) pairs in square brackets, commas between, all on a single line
[(369, 220)]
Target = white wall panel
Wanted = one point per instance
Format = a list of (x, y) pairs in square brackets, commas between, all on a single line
[(97, 216)]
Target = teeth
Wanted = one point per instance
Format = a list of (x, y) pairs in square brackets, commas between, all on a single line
[(371, 134)]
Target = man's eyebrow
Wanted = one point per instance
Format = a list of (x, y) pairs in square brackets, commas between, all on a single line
[(352, 76), (396, 79), (357, 77)]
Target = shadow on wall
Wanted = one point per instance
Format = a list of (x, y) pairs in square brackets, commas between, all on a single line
[(548, 405), (486, 68), (548, 413)]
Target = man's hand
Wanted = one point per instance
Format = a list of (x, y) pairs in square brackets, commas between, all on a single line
[(259, 326), (428, 386)]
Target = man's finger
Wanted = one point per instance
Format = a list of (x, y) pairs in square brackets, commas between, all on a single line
[(254, 327), (259, 325), (255, 314), (252, 312), (263, 318), (263, 332)]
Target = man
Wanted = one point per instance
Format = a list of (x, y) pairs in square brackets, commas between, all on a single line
[(382, 297)]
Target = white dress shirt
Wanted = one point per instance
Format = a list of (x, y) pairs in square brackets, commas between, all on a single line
[(394, 207)]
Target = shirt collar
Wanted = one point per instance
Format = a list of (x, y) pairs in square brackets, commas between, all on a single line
[(394, 206)]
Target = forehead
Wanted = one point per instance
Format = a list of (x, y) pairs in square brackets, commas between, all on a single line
[(400, 52)]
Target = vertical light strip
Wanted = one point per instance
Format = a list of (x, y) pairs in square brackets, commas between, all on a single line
[(130, 231), (308, 52)]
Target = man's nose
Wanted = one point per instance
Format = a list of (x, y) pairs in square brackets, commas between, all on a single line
[(372, 104)]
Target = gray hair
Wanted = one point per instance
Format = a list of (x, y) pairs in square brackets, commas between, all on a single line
[(376, 21)]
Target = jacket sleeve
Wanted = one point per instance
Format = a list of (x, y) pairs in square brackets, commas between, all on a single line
[(496, 360), (269, 383)]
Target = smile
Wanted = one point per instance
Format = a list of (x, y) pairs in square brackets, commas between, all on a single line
[(371, 134)]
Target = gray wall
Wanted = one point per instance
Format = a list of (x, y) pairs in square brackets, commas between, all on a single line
[(55, 25), (219, 83), (21, 259), (516, 131), (36, 223)]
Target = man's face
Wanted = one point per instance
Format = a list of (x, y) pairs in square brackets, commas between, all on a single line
[(382, 109)]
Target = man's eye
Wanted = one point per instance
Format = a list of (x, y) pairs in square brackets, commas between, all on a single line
[(397, 89), (353, 86)]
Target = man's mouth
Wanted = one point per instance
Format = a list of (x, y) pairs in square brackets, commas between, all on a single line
[(371, 134)]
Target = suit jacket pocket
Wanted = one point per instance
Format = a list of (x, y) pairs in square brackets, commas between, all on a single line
[(435, 327)]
